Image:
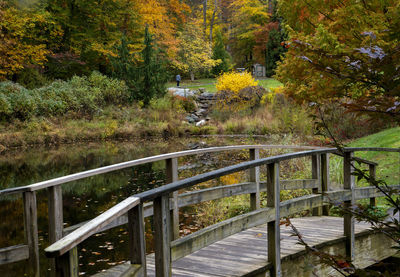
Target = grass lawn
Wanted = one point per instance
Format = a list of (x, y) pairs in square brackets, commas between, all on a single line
[(209, 84), (389, 163)]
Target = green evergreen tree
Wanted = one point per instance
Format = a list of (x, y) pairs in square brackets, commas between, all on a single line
[(219, 52), (151, 75), (274, 51), (123, 67), (275, 47)]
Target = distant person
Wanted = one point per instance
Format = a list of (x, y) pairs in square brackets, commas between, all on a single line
[(178, 79)]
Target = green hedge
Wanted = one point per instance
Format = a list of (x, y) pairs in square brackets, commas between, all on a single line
[(84, 95)]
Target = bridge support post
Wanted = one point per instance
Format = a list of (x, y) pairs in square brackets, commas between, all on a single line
[(316, 174), (137, 243), (255, 178), (162, 229), (325, 179), (56, 219), (67, 264), (273, 201), (349, 184), (31, 230), (372, 174), (172, 176)]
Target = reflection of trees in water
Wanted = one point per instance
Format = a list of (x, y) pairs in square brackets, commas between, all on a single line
[(144, 177)]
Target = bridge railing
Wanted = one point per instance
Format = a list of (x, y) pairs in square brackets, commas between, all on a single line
[(167, 249), (30, 249)]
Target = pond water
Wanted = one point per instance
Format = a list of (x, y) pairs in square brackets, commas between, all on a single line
[(87, 198)]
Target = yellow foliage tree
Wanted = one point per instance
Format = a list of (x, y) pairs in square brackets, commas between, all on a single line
[(24, 38), (195, 52)]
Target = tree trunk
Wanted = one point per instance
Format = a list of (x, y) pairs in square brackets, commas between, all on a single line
[(205, 16), (191, 76), (212, 19)]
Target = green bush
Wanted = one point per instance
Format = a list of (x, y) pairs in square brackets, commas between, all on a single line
[(31, 78), (84, 95), (112, 91)]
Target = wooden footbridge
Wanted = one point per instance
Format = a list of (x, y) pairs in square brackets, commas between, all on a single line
[(252, 244)]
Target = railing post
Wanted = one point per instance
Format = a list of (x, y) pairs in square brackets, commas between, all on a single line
[(349, 183), (255, 178), (172, 176), (137, 243), (162, 229), (273, 201), (372, 175), (31, 229), (316, 174), (325, 179), (55, 211), (67, 264)]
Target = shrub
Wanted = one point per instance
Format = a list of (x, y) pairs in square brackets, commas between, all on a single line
[(186, 103), (237, 92), (112, 91), (16, 101), (31, 78), (234, 81), (81, 94)]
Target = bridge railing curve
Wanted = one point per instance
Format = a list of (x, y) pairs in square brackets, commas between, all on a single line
[(167, 249), (30, 249)]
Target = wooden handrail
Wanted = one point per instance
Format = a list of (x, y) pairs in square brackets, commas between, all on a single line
[(113, 213), (123, 165), (73, 239)]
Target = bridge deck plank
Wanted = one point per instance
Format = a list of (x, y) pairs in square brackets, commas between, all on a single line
[(247, 251)]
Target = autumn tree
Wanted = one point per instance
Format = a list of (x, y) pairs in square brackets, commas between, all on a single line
[(91, 29), (25, 35), (343, 50), (165, 18), (194, 54), (248, 16)]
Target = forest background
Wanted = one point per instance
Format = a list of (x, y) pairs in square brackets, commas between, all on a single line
[(87, 70)]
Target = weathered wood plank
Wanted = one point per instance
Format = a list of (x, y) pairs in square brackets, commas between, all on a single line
[(31, 230), (162, 229), (372, 176), (137, 242), (273, 195), (216, 232), (316, 174), (325, 186), (56, 218), (255, 178), (172, 176), (349, 184), (123, 270), (67, 264), (73, 239), (55, 209), (14, 254)]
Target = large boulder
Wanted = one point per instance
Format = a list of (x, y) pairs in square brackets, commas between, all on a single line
[(183, 92)]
